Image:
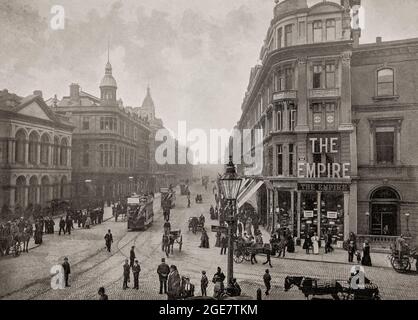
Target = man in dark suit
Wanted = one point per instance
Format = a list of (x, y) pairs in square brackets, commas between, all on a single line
[(62, 226), (163, 270), (136, 269), (126, 271), (267, 281), (132, 256), (108, 239), (187, 288), (67, 271), (68, 224)]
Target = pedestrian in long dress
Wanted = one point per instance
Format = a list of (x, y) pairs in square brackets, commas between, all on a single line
[(315, 243), (366, 260), (132, 256), (108, 240)]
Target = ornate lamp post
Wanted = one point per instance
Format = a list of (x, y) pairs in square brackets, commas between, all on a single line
[(230, 184)]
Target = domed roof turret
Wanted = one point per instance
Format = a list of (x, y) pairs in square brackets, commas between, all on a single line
[(108, 80)]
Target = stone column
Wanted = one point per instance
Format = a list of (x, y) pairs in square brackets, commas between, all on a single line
[(302, 97), (26, 197), (353, 208), (10, 151), (345, 112), (292, 209), (274, 210), (26, 152), (58, 156), (398, 144), (371, 141), (12, 196), (274, 122), (38, 153), (318, 207), (346, 214), (274, 160), (69, 158), (50, 154), (298, 209), (286, 117)]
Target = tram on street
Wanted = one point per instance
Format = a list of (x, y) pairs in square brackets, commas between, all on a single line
[(140, 212)]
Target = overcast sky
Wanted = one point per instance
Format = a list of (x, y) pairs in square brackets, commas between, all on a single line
[(195, 54)]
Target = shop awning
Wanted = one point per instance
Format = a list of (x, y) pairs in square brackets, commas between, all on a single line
[(250, 188)]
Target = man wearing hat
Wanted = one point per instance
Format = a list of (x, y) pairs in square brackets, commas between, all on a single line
[(67, 271), (136, 269), (132, 256), (163, 270)]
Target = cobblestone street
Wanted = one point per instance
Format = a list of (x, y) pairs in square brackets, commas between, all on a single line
[(27, 277)]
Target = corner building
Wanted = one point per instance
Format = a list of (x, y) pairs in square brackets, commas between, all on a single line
[(332, 136)]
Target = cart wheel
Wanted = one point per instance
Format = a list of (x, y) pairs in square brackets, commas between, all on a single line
[(247, 256), (238, 258)]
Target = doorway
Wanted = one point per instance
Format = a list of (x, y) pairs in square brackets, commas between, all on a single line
[(384, 212)]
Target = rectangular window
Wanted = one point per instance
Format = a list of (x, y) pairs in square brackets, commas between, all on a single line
[(385, 82), (385, 145), (317, 31), (288, 78), (279, 38), (331, 31), (330, 115), (86, 123), (317, 74), (288, 35), (317, 116), (301, 30), (330, 75), (292, 119), (280, 160), (279, 126), (291, 159)]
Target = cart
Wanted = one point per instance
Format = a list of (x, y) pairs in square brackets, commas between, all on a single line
[(195, 224), (174, 236), (402, 262)]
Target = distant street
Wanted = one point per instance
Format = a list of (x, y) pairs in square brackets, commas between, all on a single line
[(27, 277)]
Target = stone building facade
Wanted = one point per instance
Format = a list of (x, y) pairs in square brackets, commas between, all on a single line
[(337, 121), (35, 152), (111, 156)]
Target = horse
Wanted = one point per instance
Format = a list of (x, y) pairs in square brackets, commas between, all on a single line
[(314, 287)]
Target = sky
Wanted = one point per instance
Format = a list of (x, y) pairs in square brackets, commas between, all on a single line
[(196, 55)]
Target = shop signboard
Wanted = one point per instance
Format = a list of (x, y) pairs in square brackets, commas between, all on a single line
[(328, 187), (332, 215), (308, 213)]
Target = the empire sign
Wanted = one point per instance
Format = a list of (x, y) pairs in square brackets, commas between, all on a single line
[(322, 170)]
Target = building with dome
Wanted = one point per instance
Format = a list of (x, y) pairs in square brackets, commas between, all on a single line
[(338, 119), (111, 156)]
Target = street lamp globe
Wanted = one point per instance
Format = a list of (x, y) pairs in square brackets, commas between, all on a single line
[(230, 182)]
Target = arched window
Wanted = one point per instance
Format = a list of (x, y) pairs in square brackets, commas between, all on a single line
[(56, 148), (45, 187), (385, 82), (33, 186), (33, 147), (20, 191), (64, 188), (63, 155), (45, 149), (20, 146)]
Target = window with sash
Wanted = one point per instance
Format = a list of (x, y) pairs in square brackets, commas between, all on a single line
[(317, 31)]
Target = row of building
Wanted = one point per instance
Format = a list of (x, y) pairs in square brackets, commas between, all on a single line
[(339, 126), (79, 148)]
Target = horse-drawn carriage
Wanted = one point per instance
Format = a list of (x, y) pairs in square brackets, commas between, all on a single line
[(196, 224), (244, 251), (169, 239), (338, 289), (402, 262)]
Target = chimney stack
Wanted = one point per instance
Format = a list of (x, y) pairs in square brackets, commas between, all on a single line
[(74, 91), (38, 93)]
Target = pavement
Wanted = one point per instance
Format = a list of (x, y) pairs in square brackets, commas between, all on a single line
[(337, 256), (28, 276)]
